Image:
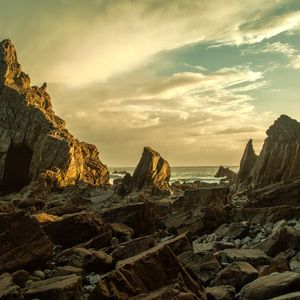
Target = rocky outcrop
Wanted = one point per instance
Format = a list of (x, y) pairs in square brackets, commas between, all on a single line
[(227, 173), (22, 243), (151, 175), (247, 163), (279, 159), (34, 141)]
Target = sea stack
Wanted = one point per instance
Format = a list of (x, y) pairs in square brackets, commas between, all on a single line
[(151, 175), (34, 141)]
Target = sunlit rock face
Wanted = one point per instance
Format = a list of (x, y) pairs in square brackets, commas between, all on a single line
[(279, 159), (34, 142)]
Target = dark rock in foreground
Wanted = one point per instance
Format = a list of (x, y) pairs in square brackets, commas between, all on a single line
[(22, 243)]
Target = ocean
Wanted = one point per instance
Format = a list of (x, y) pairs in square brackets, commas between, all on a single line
[(182, 174)]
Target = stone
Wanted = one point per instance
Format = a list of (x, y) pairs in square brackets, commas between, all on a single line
[(202, 266), (131, 248), (20, 277), (40, 274), (232, 231), (88, 259), (151, 175), (236, 274), (74, 229), (8, 289), (289, 296), (146, 272), (120, 231), (44, 218), (205, 196), (35, 143), (284, 238), (23, 245), (279, 264), (63, 287), (141, 217), (67, 270), (211, 246), (267, 287), (223, 292), (254, 257), (197, 222)]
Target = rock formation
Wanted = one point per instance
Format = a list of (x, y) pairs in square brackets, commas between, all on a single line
[(247, 162), (226, 172), (279, 159), (151, 175), (34, 141)]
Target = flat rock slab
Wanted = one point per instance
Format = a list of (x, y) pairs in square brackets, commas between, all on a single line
[(254, 257), (63, 287), (8, 290)]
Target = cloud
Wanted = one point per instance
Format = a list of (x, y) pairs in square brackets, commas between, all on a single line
[(277, 47), (104, 38)]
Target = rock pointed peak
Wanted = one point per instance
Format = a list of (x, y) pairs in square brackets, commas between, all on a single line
[(284, 128)]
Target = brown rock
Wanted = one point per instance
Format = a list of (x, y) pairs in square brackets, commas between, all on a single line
[(254, 257), (197, 198), (267, 287), (8, 290), (88, 259), (63, 287), (146, 272), (35, 142), (119, 231), (226, 292), (202, 266), (22, 243), (236, 274), (20, 277), (279, 264), (151, 175), (74, 229), (67, 270), (282, 239), (141, 217)]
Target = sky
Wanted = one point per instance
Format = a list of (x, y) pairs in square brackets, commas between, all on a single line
[(193, 79)]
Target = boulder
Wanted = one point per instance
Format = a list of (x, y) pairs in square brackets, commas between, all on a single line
[(223, 292), (279, 264), (88, 259), (63, 287), (254, 257), (267, 287), (34, 142), (22, 243), (202, 266), (282, 239), (74, 229), (236, 274), (197, 198), (8, 289), (144, 273), (141, 217), (151, 175)]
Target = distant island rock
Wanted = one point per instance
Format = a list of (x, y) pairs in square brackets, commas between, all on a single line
[(34, 141), (227, 173)]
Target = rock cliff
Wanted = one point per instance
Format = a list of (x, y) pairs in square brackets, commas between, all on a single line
[(34, 141), (279, 159)]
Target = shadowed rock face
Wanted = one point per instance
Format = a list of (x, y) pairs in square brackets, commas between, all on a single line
[(279, 159), (30, 131), (151, 175)]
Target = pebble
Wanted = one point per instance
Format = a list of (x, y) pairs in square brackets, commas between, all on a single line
[(40, 274)]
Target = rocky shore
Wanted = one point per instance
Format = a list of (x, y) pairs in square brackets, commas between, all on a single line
[(67, 234)]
